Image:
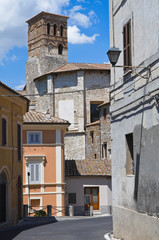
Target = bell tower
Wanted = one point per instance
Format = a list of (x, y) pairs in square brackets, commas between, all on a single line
[(47, 46)]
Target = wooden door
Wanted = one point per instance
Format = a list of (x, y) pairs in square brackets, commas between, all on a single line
[(91, 195)]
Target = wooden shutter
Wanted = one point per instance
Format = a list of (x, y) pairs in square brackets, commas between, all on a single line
[(4, 132), (127, 45)]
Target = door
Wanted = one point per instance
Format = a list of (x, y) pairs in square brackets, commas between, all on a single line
[(91, 195), (2, 202)]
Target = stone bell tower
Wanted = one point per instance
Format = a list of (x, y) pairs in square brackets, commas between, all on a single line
[(47, 46)]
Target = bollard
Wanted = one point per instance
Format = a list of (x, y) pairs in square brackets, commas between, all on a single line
[(49, 210), (25, 210), (71, 211), (91, 211)]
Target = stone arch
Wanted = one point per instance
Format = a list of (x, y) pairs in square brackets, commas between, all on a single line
[(4, 182), (48, 28)]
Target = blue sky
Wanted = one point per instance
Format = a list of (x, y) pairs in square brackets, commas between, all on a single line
[(88, 33)]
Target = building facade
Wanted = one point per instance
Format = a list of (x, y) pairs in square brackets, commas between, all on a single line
[(12, 108), (134, 118), (43, 159), (70, 91)]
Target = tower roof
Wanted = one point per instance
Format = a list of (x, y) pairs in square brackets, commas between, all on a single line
[(46, 15)]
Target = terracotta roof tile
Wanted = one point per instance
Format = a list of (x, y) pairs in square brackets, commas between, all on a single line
[(37, 117), (87, 168)]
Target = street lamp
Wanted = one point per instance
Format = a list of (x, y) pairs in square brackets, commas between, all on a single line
[(113, 55), (28, 192)]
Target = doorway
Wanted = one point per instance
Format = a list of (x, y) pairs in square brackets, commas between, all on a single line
[(3, 198), (91, 197)]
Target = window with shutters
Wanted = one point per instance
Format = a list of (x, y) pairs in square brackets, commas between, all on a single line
[(35, 176), (4, 131), (34, 138), (19, 143), (127, 45)]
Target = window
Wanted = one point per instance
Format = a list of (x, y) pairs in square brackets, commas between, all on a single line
[(127, 45), (129, 154), (104, 113), (19, 146), (48, 28), (35, 176), (55, 29), (72, 198), (104, 150), (95, 155), (4, 132), (91, 135), (34, 138), (60, 49), (94, 112), (61, 30)]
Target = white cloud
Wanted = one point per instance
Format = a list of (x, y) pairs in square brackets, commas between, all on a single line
[(81, 19), (13, 27), (20, 87), (76, 37)]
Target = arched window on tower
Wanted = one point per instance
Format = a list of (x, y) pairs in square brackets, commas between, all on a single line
[(55, 29), (61, 28), (48, 28), (60, 49)]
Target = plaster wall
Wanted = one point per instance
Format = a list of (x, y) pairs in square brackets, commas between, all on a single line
[(77, 184)]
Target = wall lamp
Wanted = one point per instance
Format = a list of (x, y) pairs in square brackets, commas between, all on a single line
[(113, 55)]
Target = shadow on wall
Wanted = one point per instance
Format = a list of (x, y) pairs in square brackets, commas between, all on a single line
[(136, 176)]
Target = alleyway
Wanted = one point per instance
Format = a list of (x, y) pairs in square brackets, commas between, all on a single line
[(75, 229)]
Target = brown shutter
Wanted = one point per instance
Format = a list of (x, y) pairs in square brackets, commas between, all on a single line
[(127, 45)]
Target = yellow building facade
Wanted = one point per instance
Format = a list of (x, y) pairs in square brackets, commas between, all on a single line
[(12, 108)]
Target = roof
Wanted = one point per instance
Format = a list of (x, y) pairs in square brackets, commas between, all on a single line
[(79, 66), (87, 168), (42, 14), (34, 117), (14, 93)]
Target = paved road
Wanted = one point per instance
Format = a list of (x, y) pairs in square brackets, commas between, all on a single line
[(76, 229)]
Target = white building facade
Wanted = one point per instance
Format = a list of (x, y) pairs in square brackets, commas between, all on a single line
[(134, 29)]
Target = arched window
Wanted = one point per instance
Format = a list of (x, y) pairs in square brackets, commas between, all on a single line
[(55, 29), (61, 31), (60, 49), (48, 28)]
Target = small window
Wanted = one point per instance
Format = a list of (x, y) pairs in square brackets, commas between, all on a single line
[(48, 28), (104, 113), (129, 154), (72, 198), (60, 49), (104, 150), (34, 138), (55, 29), (127, 45), (61, 28), (4, 132), (19, 144), (95, 155), (92, 136), (35, 176), (94, 112)]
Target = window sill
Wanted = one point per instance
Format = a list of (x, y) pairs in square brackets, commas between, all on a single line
[(130, 175)]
